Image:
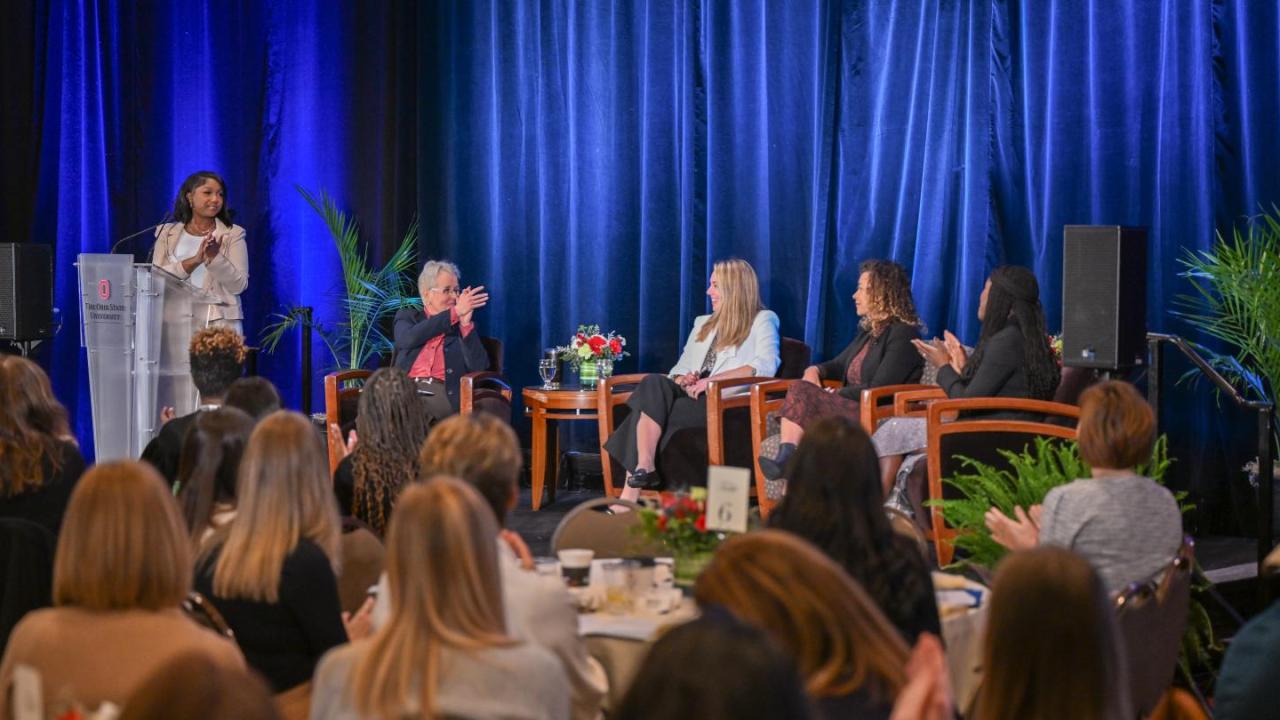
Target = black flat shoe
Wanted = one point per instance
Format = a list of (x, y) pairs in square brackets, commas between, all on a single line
[(644, 479)]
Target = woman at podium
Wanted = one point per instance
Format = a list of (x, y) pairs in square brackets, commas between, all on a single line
[(205, 248)]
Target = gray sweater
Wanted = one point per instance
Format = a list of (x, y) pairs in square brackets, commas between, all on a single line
[(1128, 528), (521, 682)]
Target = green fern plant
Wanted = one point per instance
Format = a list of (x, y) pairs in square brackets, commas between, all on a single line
[(371, 294), (1236, 300), (1028, 478)]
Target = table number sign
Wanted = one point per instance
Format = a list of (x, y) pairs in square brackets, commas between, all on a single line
[(728, 493)]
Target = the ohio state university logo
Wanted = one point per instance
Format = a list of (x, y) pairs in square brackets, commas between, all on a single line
[(104, 289)]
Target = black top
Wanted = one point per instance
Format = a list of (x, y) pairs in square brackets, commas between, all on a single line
[(905, 592), (891, 360), (1002, 372), (165, 449), (344, 485), (461, 354), (46, 505), (284, 640)]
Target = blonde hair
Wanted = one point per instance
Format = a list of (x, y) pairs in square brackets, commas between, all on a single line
[(283, 496), (479, 449), (838, 637), (123, 544), (739, 303), (442, 571)]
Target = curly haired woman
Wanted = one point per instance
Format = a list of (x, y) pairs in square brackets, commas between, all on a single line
[(881, 354)]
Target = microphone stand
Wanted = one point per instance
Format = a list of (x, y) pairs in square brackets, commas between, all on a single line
[(140, 232)]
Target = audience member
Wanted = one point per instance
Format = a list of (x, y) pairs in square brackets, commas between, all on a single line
[(1051, 650), (1249, 670), (390, 426), (1126, 525), (444, 651), (122, 570), (881, 354), (39, 459), (216, 355), (1012, 360), (834, 501), (715, 667), (852, 659), (738, 339), (255, 395), (271, 571), (190, 687), (482, 451), (207, 470)]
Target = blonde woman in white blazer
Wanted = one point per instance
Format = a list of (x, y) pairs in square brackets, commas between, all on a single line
[(738, 339), (205, 248)]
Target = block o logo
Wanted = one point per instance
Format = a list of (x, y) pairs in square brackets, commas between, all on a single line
[(104, 289)]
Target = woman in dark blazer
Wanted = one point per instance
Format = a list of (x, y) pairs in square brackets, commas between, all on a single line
[(1012, 360), (881, 354)]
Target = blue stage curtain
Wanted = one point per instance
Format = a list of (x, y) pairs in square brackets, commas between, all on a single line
[(133, 97), (588, 162)]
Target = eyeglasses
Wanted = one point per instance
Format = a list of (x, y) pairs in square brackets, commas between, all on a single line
[(455, 290)]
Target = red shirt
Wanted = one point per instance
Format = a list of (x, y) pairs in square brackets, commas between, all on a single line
[(430, 362)]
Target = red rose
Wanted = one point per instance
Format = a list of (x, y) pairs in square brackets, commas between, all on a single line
[(597, 343), (615, 346), (662, 522), (701, 524)]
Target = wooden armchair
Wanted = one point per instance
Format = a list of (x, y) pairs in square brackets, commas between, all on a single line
[(982, 438), (765, 401), (341, 404), (727, 440), (486, 391)]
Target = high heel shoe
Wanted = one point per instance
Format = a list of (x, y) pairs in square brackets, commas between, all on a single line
[(644, 480), (773, 467)]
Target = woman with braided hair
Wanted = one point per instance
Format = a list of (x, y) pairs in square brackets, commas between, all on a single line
[(1013, 360), (390, 427)]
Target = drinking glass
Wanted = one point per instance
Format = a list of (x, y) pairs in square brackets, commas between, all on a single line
[(547, 371)]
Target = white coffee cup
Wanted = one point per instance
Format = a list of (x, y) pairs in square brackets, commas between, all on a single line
[(575, 566)]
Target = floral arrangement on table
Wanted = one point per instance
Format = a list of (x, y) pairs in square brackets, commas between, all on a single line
[(1055, 344), (589, 345), (679, 522)]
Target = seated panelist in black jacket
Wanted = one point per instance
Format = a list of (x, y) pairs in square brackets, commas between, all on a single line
[(439, 344), (881, 354)]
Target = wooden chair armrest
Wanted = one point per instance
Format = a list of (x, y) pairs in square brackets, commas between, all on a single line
[(833, 384), (608, 397), (467, 385), (902, 400), (716, 406)]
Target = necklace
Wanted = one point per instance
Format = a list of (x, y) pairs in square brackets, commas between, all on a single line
[(191, 228)]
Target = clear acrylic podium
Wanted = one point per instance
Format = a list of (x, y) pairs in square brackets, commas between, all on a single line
[(137, 322)]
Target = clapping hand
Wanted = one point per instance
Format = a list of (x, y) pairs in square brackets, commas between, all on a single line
[(933, 351), (927, 694), (470, 300), (1019, 533), (209, 247), (955, 351)]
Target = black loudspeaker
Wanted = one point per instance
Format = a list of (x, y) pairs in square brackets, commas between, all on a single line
[(1104, 296), (26, 291)]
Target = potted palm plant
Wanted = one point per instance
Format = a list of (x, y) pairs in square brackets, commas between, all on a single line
[(370, 294)]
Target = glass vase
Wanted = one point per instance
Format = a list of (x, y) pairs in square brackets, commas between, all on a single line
[(587, 375), (604, 368), (687, 566)]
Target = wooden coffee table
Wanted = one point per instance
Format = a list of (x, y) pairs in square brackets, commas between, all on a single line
[(568, 404)]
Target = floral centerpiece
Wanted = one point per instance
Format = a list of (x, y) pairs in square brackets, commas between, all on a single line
[(679, 522), (592, 353)]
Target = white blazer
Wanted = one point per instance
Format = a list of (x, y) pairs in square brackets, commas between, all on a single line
[(760, 350), (226, 276)]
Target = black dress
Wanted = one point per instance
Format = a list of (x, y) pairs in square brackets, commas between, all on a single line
[(46, 504), (284, 640)]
